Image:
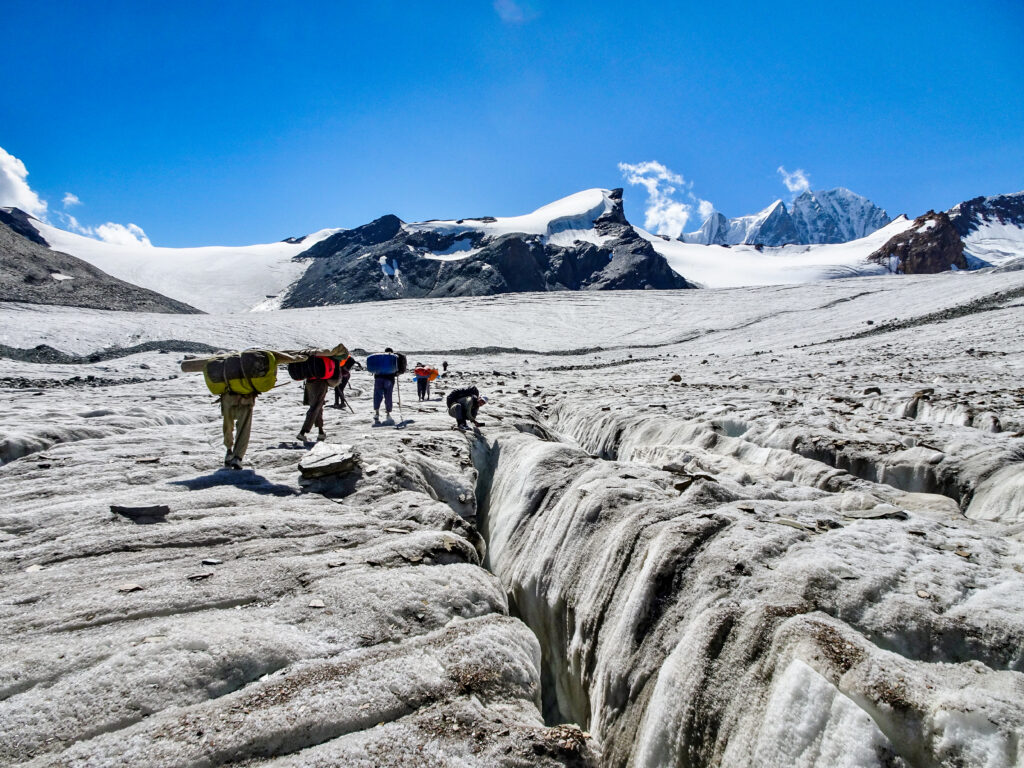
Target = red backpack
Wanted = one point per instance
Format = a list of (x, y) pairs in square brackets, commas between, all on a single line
[(313, 369)]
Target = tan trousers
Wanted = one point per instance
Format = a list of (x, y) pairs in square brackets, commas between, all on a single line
[(237, 413)]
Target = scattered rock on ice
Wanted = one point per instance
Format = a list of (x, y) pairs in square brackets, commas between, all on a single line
[(328, 459)]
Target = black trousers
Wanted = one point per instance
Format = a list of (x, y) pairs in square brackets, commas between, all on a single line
[(316, 391)]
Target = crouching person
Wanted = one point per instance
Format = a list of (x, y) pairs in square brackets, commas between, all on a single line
[(463, 405)]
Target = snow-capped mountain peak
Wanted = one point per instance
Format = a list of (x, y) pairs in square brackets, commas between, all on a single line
[(836, 216), (824, 216), (560, 222), (992, 228)]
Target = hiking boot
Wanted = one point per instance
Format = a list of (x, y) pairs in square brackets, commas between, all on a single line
[(302, 437), (227, 459), (388, 420), (463, 427), (321, 436), (235, 463), (376, 417)]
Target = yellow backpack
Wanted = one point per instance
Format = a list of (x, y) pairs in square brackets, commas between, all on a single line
[(241, 373)]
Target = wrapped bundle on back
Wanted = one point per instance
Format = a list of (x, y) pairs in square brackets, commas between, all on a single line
[(426, 373), (315, 368), (241, 373), (386, 363)]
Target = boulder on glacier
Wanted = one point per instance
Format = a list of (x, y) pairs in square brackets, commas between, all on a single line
[(326, 459)]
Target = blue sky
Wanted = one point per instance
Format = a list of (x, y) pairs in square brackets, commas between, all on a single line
[(238, 122)]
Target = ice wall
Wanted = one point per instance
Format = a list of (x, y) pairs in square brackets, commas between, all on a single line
[(763, 615)]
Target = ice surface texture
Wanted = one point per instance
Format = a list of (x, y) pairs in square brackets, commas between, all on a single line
[(806, 550)]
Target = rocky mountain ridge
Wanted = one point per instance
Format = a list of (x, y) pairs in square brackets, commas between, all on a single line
[(583, 242), (977, 233), (932, 245), (32, 273), (970, 215)]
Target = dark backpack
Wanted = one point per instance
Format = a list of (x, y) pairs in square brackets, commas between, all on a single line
[(458, 394), (315, 368)]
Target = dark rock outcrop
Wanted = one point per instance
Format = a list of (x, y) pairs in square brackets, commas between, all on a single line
[(30, 272), (1003, 209), (386, 259), (932, 245), (21, 222)]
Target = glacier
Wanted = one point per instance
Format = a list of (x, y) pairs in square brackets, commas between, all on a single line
[(777, 525)]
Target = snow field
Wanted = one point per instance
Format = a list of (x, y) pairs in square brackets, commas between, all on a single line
[(219, 279), (707, 321), (995, 243), (716, 266)]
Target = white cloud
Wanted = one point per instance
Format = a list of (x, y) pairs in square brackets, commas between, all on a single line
[(665, 214), (513, 12), (14, 190), (72, 224), (120, 234), (111, 232), (797, 181)]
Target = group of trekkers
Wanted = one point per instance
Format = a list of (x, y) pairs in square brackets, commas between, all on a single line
[(320, 375)]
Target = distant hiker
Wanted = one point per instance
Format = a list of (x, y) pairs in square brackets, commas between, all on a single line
[(346, 374), (423, 376), (444, 366), (385, 368), (463, 405)]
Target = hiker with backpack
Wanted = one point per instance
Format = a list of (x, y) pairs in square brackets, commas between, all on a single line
[(237, 378), (463, 405), (423, 375), (385, 367), (346, 374), (318, 373)]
